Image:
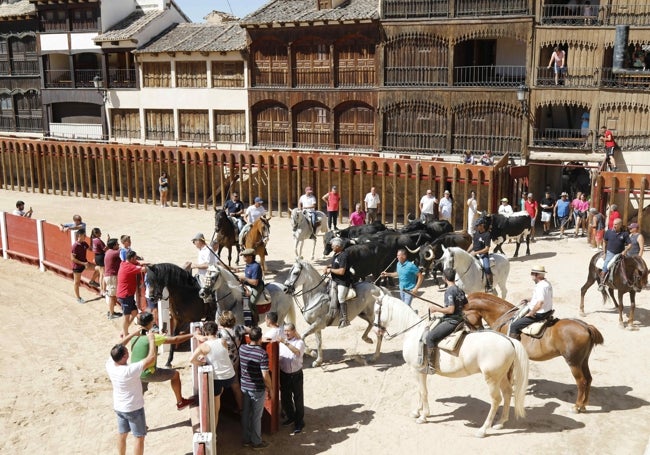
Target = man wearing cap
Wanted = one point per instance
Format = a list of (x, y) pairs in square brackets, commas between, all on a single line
[(253, 212), (341, 281), (205, 258), (140, 346), (444, 208), (307, 203), (480, 248), (253, 281), (636, 241), (562, 211), (332, 199), (235, 210), (505, 209), (617, 241), (539, 306)]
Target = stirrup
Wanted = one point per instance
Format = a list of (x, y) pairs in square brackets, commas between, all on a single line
[(344, 323)]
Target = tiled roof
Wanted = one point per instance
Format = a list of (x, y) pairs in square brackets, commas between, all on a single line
[(198, 38), (19, 8), (130, 26), (288, 11)]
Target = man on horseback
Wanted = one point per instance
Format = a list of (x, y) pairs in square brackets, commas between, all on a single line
[(253, 212), (341, 281), (540, 305), (617, 242), (205, 257), (235, 209), (480, 248), (307, 202), (253, 283)]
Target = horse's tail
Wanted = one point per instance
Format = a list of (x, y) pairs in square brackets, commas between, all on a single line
[(596, 336), (520, 378)]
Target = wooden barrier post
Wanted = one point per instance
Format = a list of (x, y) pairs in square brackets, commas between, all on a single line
[(3, 233)]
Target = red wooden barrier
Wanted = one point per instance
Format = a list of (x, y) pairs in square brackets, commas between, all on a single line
[(22, 239)]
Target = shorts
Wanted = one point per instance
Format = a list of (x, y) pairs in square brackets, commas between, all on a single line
[(546, 217), (163, 189), (532, 221), (133, 421), (78, 270), (599, 235), (221, 384), (128, 304), (99, 260), (609, 151), (159, 375), (111, 285)]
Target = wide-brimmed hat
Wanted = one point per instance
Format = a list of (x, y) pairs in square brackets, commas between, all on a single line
[(505, 199), (538, 269), (248, 252), (198, 236)]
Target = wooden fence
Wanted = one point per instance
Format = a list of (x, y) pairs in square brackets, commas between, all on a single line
[(200, 178), (631, 192)]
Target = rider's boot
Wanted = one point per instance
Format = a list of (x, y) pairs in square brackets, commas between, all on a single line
[(488, 284), (603, 280), (248, 314), (344, 322)]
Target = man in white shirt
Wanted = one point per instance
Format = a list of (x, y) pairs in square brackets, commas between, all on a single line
[(540, 304), (505, 208), (445, 206), (205, 258), (128, 401), (253, 212), (372, 203), (428, 207), (20, 210), (308, 203), (292, 350)]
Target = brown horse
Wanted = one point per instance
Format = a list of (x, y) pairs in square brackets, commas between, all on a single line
[(630, 274), (257, 238), (226, 235), (570, 338)]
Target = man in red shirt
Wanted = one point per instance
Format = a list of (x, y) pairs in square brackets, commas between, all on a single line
[(127, 286), (532, 207), (610, 144), (112, 263)]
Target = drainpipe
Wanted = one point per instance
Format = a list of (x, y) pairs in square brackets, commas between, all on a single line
[(620, 45)]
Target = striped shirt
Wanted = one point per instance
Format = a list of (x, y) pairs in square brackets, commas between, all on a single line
[(252, 360)]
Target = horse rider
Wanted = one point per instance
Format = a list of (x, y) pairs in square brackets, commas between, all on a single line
[(252, 281), (452, 311), (341, 281), (251, 215), (307, 202), (205, 257), (235, 209), (480, 248), (617, 242), (540, 305)]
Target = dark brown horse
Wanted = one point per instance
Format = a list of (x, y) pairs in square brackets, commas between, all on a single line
[(257, 238), (630, 274), (570, 338), (225, 235)]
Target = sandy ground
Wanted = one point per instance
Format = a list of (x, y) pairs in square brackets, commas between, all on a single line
[(55, 396)]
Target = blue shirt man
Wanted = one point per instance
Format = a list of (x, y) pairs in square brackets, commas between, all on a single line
[(563, 211), (409, 275)]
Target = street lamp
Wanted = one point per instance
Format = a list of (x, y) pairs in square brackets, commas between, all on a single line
[(522, 94), (99, 86)]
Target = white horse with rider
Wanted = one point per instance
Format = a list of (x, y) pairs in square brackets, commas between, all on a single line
[(303, 228), (470, 276)]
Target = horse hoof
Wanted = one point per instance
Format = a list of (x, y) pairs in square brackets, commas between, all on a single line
[(582, 314), (421, 419), (632, 328), (367, 340), (480, 433), (316, 363), (313, 353), (621, 325), (498, 426), (168, 365), (414, 414)]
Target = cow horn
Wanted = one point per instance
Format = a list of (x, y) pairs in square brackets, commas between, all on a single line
[(417, 250), (429, 254)]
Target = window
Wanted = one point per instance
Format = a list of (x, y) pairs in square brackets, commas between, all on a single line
[(6, 113), (157, 74), (160, 125), (54, 20), (191, 74), (125, 123), (227, 74), (313, 127), (194, 126), (84, 19), (230, 126)]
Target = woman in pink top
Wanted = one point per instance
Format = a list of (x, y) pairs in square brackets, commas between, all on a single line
[(332, 198), (358, 217), (580, 210)]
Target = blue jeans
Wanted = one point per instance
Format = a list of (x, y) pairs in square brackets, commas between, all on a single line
[(133, 421), (608, 257), (406, 297), (251, 416)]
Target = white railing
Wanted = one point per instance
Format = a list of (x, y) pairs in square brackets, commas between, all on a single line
[(76, 130)]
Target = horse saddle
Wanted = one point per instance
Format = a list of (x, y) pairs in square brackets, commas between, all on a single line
[(537, 329), (351, 294), (452, 342), (600, 262)]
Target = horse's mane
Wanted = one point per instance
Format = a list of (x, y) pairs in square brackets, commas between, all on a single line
[(401, 313), (163, 274), (488, 299), (231, 280)]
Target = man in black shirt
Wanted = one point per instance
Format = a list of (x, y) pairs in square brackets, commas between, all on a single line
[(480, 248), (341, 281), (547, 204)]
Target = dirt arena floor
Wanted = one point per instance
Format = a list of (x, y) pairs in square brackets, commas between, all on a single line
[(55, 396)]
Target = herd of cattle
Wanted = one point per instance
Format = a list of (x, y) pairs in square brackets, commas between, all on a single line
[(372, 248)]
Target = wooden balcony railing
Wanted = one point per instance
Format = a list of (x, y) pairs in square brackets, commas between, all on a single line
[(409, 9), (489, 76), (629, 79), (429, 9), (25, 67), (54, 25), (479, 144), (356, 77), (85, 25), (573, 77), (633, 140), (491, 7), (159, 135), (121, 78), (416, 76), (125, 133), (626, 14), (270, 78), (58, 79), (312, 77), (29, 124)]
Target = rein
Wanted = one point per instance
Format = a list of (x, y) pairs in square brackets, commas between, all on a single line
[(385, 330), (304, 291)]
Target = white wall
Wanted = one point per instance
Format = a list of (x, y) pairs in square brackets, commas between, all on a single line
[(113, 11), (54, 42), (155, 27), (84, 41)]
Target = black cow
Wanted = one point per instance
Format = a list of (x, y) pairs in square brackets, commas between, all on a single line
[(393, 241), (515, 226), (351, 233), (431, 252), (368, 259), (434, 228)]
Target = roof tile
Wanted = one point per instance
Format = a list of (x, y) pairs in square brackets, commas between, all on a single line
[(198, 38), (284, 11)]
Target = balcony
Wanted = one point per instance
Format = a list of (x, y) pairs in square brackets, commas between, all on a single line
[(361, 76), (25, 67), (626, 14), (270, 78), (58, 79), (626, 79), (411, 9), (573, 77), (633, 140), (479, 144), (29, 124), (562, 138), (76, 131), (84, 78), (570, 15), (477, 8), (54, 25), (489, 76), (121, 78), (429, 9), (85, 24), (312, 77), (416, 76)]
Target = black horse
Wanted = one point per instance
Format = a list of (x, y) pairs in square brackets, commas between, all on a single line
[(185, 305), (226, 235), (629, 274)]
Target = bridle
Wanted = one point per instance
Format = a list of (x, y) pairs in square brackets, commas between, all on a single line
[(291, 290), (383, 329), (209, 281)]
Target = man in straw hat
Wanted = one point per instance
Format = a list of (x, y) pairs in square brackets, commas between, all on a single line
[(253, 282), (341, 281), (505, 208), (205, 257), (539, 306)]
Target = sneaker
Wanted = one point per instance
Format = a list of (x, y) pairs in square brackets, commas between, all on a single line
[(261, 446), (80, 300), (114, 315), (185, 402), (296, 431), (94, 284)]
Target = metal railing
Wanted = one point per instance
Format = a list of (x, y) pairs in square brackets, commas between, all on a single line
[(29, 124), (24, 67), (159, 135), (58, 78), (84, 78), (572, 77), (429, 9), (125, 133), (228, 136), (563, 138), (418, 143), (629, 79), (557, 14), (270, 78), (77, 130), (489, 75), (492, 7), (626, 14), (121, 78), (416, 76), (407, 9)]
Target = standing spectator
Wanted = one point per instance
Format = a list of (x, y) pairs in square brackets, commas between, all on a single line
[(235, 210), (563, 211), (214, 352), (607, 138), (505, 208), (373, 204), (614, 215), (428, 204), (163, 187), (409, 275), (332, 199), (20, 210), (205, 257), (127, 285), (125, 240), (275, 331), (232, 333), (99, 250), (467, 158), (79, 262), (128, 402), (548, 205), (76, 224), (487, 159), (341, 281), (472, 211), (575, 206), (307, 202), (532, 207), (636, 241), (292, 350), (151, 373), (253, 212), (358, 217), (112, 263), (597, 226), (446, 204), (557, 60), (255, 385), (617, 241), (580, 211)]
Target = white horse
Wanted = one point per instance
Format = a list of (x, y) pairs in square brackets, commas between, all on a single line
[(315, 301), (301, 225), (222, 285), (502, 361), (469, 271)]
